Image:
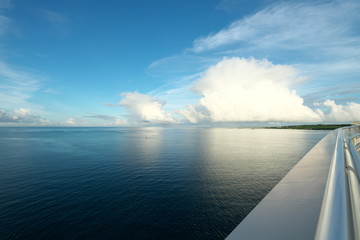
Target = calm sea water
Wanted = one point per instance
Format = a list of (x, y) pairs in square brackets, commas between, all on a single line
[(139, 183)]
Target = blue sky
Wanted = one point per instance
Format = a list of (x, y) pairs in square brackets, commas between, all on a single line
[(123, 63)]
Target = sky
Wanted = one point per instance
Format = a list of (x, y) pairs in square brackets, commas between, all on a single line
[(161, 62)]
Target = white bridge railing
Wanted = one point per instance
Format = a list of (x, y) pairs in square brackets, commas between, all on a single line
[(340, 212)]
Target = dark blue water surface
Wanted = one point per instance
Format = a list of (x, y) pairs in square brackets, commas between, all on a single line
[(139, 183)]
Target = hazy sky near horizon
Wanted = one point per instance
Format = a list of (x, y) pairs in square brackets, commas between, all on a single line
[(121, 63)]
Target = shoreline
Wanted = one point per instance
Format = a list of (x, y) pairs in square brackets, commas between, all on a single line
[(312, 126)]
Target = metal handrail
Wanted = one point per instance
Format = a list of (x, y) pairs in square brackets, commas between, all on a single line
[(334, 215), (355, 138), (340, 211), (354, 153), (354, 188)]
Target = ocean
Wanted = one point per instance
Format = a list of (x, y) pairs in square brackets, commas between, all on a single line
[(139, 183)]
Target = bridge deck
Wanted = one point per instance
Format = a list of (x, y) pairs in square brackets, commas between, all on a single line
[(291, 210)]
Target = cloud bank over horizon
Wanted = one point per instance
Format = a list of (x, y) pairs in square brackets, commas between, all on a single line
[(21, 115), (339, 113), (239, 89), (243, 90)]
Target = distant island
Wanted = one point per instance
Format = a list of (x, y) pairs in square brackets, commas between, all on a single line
[(313, 127)]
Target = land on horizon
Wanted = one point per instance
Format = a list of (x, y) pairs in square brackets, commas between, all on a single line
[(312, 126)]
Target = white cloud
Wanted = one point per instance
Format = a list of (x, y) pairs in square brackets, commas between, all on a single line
[(111, 105), (102, 117), (195, 113), (21, 115), (4, 24), (54, 17), (73, 122), (145, 108), (339, 113), (239, 89), (70, 121), (111, 120), (57, 21), (290, 25), (248, 90), (177, 96), (118, 122), (178, 65), (17, 87)]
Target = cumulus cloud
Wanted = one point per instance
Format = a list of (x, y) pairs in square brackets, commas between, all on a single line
[(238, 89), (21, 115), (145, 108), (339, 113)]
